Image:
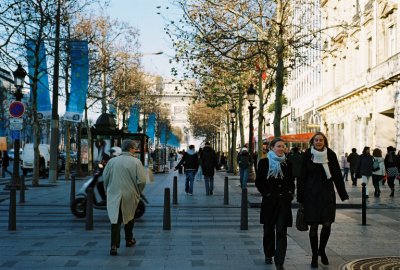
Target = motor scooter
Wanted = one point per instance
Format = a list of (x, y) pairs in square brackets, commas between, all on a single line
[(78, 206)]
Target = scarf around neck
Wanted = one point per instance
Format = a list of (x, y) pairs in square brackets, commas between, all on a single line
[(275, 161), (321, 157)]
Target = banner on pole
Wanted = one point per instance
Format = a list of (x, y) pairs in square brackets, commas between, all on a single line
[(43, 91), (79, 54), (151, 126), (134, 118)]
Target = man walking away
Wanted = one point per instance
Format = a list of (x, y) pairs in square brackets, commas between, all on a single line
[(124, 179), (295, 161), (353, 159), (244, 161), (5, 162), (209, 163), (191, 162)]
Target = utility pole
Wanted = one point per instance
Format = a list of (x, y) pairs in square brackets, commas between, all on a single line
[(54, 110)]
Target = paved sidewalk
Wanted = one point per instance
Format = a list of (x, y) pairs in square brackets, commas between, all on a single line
[(205, 233)]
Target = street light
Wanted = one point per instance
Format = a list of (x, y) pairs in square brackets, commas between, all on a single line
[(232, 113), (19, 77), (251, 97)]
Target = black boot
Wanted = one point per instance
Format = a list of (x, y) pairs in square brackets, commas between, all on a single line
[(314, 248), (392, 193), (325, 233)]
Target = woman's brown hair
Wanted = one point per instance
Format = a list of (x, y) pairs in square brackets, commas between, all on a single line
[(377, 152), (323, 136)]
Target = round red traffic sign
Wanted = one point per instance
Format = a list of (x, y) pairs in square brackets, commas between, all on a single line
[(16, 109)]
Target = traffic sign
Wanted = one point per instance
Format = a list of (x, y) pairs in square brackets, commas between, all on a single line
[(16, 109), (16, 123)]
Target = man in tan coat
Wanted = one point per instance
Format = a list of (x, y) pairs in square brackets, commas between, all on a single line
[(124, 179)]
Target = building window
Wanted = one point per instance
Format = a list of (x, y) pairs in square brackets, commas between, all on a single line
[(391, 40)]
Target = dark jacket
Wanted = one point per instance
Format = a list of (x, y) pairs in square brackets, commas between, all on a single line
[(5, 161), (316, 192), (208, 161), (365, 165), (190, 161), (295, 161), (353, 159), (274, 192)]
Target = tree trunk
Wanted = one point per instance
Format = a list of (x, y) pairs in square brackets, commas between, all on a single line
[(279, 80)]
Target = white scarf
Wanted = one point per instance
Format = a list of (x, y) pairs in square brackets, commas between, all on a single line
[(275, 161), (321, 157)]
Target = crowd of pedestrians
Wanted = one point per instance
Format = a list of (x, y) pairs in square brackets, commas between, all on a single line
[(312, 177)]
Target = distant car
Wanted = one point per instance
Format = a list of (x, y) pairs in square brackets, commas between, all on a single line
[(11, 154), (72, 155)]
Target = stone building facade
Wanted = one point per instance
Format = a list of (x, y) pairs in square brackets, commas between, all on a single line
[(359, 103)]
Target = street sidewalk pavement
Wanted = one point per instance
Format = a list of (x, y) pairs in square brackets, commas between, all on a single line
[(205, 233)]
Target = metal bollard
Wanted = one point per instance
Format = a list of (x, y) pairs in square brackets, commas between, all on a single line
[(364, 204), (22, 191), (167, 210), (12, 213), (89, 209), (175, 191), (226, 191), (244, 211), (72, 192)]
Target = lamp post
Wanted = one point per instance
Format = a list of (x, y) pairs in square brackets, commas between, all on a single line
[(232, 113), (19, 76), (251, 97)]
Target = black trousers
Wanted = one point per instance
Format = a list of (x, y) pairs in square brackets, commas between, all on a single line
[(275, 244), (116, 229)]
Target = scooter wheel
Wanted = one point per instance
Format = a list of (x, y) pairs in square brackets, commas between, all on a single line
[(141, 208), (78, 207)]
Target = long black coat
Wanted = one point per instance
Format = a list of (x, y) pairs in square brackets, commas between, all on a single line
[(316, 192), (208, 161), (275, 191), (365, 165)]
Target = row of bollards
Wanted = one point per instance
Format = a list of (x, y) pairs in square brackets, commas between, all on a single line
[(167, 206), (12, 211)]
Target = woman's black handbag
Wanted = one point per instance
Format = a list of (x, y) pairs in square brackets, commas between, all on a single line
[(300, 224)]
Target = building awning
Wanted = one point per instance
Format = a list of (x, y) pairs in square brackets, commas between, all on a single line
[(295, 138)]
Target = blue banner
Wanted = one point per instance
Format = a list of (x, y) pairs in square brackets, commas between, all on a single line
[(163, 134), (133, 123), (151, 126), (173, 140), (79, 54), (43, 91)]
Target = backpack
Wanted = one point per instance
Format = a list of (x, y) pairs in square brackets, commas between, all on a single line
[(244, 161), (375, 165)]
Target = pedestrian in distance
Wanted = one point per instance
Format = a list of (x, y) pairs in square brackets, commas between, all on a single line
[(294, 160), (275, 182), (124, 180), (378, 170), (345, 166), (392, 164), (364, 169), (223, 161), (244, 160), (353, 159), (199, 174), (209, 163), (190, 161), (316, 193), (5, 162)]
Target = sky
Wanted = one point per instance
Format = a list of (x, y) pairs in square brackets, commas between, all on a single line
[(142, 14)]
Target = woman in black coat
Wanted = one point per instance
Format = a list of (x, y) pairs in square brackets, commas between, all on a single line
[(275, 182), (315, 192)]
